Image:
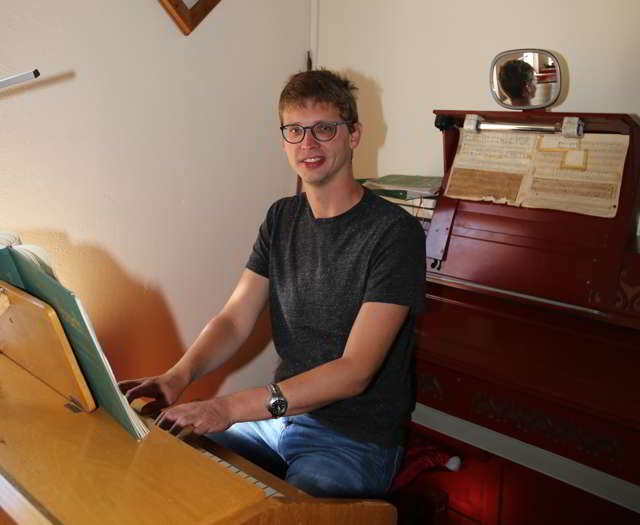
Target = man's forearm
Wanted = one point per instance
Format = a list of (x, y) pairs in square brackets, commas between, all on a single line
[(372, 334), (305, 392), (370, 338), (217, 342)]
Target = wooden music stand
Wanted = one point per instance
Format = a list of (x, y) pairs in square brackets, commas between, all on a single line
[(31, 335)]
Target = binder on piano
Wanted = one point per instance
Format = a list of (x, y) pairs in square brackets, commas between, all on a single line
[(47, 330)]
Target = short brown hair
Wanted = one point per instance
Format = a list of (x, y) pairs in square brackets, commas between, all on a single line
[(514, 77), (321, 86)]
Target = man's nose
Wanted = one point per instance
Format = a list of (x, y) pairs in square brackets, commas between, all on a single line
[(309, 140)]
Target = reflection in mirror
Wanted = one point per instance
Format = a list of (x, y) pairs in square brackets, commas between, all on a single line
[(525, 79)]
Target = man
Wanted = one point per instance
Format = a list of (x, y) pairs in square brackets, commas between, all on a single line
[(517, 79), (342, 271)]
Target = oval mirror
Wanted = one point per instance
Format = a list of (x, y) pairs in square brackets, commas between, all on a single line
[(525, 79)]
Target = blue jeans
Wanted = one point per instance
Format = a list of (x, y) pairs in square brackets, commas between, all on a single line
[(314, 458)]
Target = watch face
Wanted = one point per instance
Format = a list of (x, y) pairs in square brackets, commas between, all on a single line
[(278, 407)]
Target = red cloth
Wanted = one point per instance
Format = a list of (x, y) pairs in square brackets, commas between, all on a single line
[(421, 455)]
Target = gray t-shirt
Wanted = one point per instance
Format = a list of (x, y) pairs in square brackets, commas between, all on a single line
[(320, 272)]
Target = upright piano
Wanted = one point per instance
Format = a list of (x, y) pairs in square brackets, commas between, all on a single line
[(62, 464), (528, 356)]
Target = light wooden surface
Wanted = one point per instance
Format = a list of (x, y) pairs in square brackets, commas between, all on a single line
[(31, 335), (57, 466), (85, 469), (4, 301)]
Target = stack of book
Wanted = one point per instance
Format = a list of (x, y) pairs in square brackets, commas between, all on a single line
[(416, 194)]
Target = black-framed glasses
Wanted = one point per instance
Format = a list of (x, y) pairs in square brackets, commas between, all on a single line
[(323, 131)]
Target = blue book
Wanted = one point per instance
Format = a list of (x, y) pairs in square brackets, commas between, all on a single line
[(8, 271)]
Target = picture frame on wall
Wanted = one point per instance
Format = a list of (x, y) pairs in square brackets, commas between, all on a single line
[(188, 13)]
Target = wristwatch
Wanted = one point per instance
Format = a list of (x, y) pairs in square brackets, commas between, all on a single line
[(276, 403)]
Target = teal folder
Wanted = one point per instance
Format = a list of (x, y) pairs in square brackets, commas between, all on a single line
[(22, 273)]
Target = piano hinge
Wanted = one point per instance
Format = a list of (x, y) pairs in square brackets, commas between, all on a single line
[(436, 264), (440, 231), (4, 301), (74, 406)]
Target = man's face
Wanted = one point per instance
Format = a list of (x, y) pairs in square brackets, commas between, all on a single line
[(316, 162), (530, 88)]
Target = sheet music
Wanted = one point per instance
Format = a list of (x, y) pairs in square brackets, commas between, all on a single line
[(580, 175), (491, 165)]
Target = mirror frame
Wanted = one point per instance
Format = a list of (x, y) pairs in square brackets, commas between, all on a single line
[(494, 90), (187, 18)]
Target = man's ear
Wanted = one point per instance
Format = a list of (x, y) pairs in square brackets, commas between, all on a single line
[(356, 135)]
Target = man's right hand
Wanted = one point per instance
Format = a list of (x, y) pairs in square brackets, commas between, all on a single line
[(163, 389)]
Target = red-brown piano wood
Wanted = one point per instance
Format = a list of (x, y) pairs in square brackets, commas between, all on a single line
[(532, 326)]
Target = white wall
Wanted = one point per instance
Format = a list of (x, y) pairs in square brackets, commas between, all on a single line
[(145, 160), (414, 56)]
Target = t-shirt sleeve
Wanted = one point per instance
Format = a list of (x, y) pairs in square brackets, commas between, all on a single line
[(397, 267), (259, 258)]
